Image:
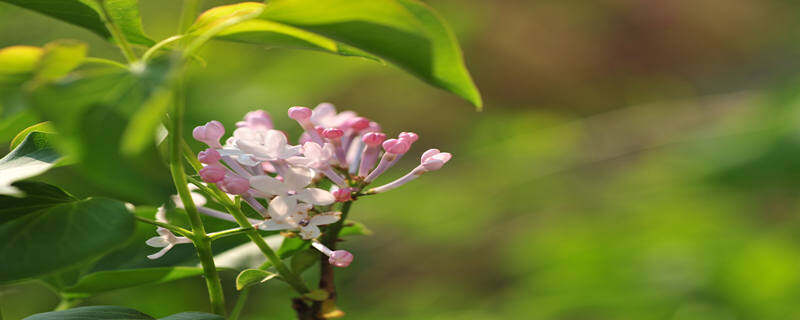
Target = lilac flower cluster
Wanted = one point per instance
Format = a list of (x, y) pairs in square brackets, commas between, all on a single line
[(258, 162)]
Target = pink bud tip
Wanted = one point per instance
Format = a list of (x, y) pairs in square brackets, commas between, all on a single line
[(340, 258), (373, 138), (409, 137), (332, 133), (373, 127), (259, 118), (210, 133), (234, 184), (213, 173), (396, 146), (209, 156), (343, 195), (299, 113), (433, 159), (358, 123)]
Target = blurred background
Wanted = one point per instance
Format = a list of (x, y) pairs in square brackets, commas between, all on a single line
[(635, 160)]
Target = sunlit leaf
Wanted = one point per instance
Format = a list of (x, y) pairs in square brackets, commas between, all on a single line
[(94, 106), (49, 230), (44, 127), (251, 277), (104, 281), (86, 14), (59, 58), (406, 33), (141, 129), (30, 158)]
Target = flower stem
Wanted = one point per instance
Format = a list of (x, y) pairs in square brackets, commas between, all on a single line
[(329, 238), (173, 228), (287, 275), (237, 309), (201, 240)]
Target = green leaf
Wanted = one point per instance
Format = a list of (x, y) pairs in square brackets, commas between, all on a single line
[(141, 129), (104, 281), (317, 295), (11, 125), (354, 228), (93, 313), (251, 277), (45, 127), (303, 260), (30, 158), (193, 316), (17, 60), (48, 230), (93, 109), (406, 33), (59, 58), (87, 14)]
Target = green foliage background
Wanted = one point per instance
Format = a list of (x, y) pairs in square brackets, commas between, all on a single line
[(635, 160)]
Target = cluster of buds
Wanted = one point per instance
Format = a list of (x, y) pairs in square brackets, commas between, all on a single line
[(258, 162)]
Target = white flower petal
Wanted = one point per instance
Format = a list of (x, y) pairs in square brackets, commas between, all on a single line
[(325, 218), (300, 161), (271, 224), (315, 196), (268, 185), (310, 232), (157, 242), (297, 178), (161, 253), (281, 207), (247, 160)]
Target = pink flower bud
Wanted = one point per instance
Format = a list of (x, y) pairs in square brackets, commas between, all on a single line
[(213, 173), (234, 184), (433, 159), (358, 123), (258, 118), (373, 138), (300, 113), (373, 127), (210, 133), (409, 137), (209, 156), (332, 133), (395, 146), (304, 137), (340, 258), (319, 130), (343, 195)]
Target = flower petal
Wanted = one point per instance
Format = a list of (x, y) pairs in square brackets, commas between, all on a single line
[(268, 185), (271, 224), (325, 218), (296, 178), (309, 232), (161, 253), (315, 196), (281, 207), (157, 242)]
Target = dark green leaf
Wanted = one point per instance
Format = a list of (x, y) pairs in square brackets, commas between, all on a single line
[(193, 316), (93, 313), (48, 230), (251, 277), (86, 14), (32, 157), (304, 260), (406, 33), (104, 281)]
